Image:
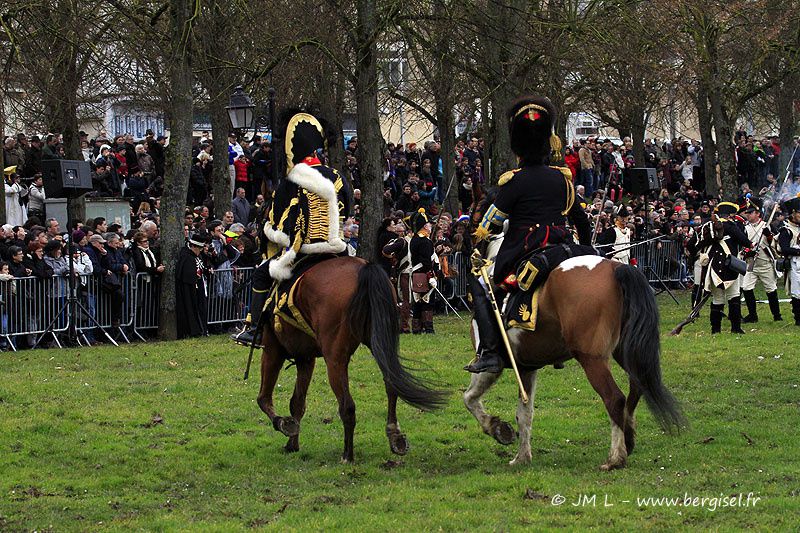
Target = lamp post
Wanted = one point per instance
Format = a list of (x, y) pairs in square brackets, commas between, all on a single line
[(241, 112)]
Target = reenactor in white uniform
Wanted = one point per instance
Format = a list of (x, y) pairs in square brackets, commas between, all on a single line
[(789, 242), (762, 258)]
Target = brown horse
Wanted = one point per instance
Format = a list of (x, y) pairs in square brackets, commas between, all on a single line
[(346, 302), (590, 309)]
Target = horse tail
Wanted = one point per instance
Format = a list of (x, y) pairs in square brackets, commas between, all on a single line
[(373, 321), (640, 346)]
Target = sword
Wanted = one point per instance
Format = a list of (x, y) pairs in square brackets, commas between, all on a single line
[(453, 309), (498, 316)]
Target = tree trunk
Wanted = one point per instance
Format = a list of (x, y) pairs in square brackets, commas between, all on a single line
[(178, 160), (220, 126), (638, 131), (328, 96), (370, 141), (725, 148), (2, 163), (444, 117), (787, 123), (709, 147)]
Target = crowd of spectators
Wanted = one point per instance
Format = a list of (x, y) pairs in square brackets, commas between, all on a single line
[(34, 246)]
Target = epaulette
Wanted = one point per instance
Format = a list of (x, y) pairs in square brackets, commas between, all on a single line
[(506, 177), (564, 170)]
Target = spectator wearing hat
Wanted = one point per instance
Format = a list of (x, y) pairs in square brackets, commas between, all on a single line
[(155, 147), (33, 157), (191, 291)]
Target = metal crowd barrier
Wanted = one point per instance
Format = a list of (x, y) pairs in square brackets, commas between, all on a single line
[(662, 260), (28, 305), (229, 295)]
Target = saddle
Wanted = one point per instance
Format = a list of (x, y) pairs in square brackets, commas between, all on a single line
[(281, 300), (521, 306)]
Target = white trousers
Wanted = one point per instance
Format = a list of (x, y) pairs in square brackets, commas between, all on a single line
[(721, 296), (763, 271)]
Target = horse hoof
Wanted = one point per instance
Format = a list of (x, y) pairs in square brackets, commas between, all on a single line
[(289, 427), (608, 467), (520, 460), (347, 460), (291, 447), (504, 433), (398, 444)]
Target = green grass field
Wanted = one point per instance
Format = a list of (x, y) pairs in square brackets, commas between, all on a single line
[(168, 436)]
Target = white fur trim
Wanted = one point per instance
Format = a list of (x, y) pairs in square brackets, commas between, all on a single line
[(276, 236), (281, 268), (311, 179)]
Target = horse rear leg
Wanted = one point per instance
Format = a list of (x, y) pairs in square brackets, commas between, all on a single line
[(630, 420), (297, 405), (339, 382), (503, 432), (397, 439), (599, 374), (525, 419)]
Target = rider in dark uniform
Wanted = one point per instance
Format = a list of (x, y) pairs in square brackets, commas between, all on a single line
[(305, 217), (536, 199)]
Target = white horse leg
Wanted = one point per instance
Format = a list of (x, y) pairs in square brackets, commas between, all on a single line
[(478, 385), (525, 419)]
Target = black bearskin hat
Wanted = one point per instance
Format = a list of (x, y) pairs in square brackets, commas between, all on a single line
[(304, 136), (418, 221), (530, 126)]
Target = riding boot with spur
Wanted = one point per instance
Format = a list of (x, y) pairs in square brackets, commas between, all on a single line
[(735, 314), (489, 340), (715, 316), (256, 309), (750, 300), (774, 306)]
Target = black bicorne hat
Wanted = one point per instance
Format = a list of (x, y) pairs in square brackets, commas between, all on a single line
[(792, 205), (726, 210), (622, 211), (304, 136), (418, 221), (530, 126)]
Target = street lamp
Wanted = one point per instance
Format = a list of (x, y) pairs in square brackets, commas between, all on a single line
[(240, 110)]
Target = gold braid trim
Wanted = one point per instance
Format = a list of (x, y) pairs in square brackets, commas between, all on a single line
[(567, 173), (506, 177), (528, 107)]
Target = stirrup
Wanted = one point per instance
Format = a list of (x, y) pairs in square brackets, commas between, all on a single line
[(245, 338), (485, 364)]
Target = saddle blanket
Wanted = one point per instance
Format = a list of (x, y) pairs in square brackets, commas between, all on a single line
[(281, 300)]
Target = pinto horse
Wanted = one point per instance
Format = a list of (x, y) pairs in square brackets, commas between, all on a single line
[(346, 302), (617, 317)]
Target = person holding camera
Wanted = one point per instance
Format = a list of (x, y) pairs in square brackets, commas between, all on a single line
[(16, 198)]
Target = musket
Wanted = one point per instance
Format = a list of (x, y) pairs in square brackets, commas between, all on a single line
[(633, 245), (597, 216), (692, 316), (777, 203)]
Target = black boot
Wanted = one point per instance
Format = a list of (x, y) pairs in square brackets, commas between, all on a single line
[(796, 310), (750, 300), (715, 316), (774, 306), (256, 309), (489, 359), (735, 314), (427, 321)]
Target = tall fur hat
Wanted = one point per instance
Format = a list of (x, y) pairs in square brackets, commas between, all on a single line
[(530, 126), (304, 135)]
